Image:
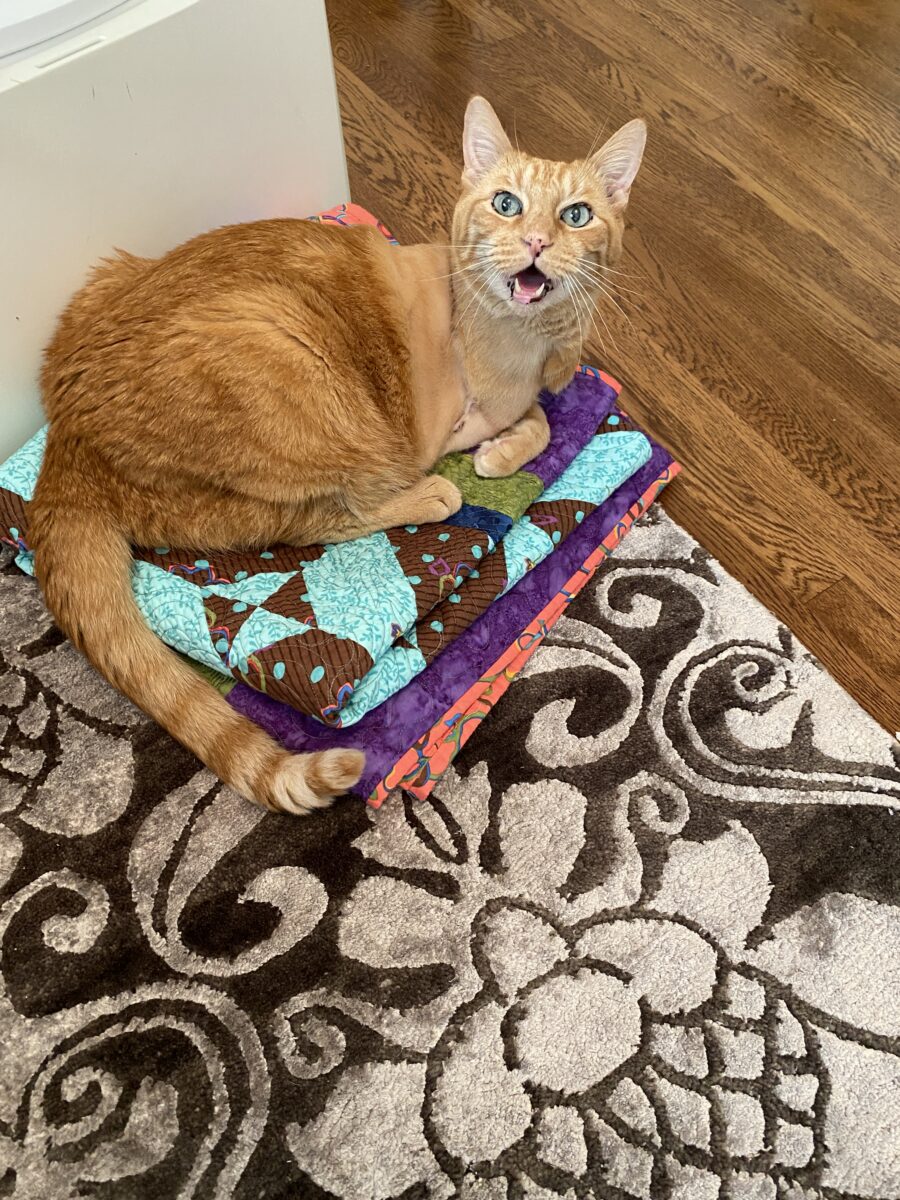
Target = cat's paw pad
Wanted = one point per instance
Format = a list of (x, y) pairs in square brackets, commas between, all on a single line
[(496, 459)]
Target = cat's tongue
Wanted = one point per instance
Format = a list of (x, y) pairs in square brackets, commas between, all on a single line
[(529, 285)]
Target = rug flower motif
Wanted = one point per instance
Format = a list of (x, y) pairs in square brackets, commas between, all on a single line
[(635, 1026)]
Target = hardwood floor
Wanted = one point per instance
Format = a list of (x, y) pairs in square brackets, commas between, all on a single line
[(758, 336)]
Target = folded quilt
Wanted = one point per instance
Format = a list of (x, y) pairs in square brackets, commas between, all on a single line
[(418, 770), (334, 630), (411, 738)]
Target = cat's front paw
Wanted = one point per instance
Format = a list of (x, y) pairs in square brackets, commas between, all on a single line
[(497, 459), (439, 498)]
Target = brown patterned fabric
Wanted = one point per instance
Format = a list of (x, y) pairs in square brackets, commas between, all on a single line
[(12, 512)]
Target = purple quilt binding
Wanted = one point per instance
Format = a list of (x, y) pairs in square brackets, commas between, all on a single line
[(391, 728)]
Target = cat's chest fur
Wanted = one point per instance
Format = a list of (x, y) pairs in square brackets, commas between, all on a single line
[(463, 358), (503, 369), (504, 361)]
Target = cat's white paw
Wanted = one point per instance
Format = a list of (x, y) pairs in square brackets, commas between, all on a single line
[(496, 459)]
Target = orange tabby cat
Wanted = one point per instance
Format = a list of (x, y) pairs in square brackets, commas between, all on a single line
[(531, 241), (290, 381)]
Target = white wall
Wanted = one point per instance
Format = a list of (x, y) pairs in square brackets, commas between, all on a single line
[(190, 114)]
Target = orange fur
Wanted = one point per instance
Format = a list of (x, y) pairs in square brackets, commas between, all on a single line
[(512, 351), (276, 381)]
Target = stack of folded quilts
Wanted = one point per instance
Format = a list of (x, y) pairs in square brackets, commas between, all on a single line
[(401, 642)]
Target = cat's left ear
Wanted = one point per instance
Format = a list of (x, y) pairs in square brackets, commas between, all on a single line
[(618, 160), (484, 140)]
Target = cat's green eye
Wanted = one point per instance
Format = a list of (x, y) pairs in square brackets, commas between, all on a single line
[(506, 204), (577, 215)]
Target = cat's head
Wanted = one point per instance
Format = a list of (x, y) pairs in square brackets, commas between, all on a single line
[(531, 230)]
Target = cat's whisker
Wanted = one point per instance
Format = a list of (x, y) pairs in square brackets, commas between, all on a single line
[(591, 273), (483, 292), (607, 328), (641, 270), (607, 269), (604, 287), (571, 297), (599, 269), (604, 292), (625, 291), (475, 266), (618, 307), (578, 316), (599, 313), (576, 303), (611, 270), (490, 283), (598, 136), (483, 252), (461, 316), (486, 283), (592, 308), (614, 302)]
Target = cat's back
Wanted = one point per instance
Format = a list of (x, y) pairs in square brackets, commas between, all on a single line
[(265, 250), (233, 258), (137, 318), (293, 330)]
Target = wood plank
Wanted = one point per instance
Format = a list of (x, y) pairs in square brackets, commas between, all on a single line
[(743, 82), (859, 639), (870, 31)]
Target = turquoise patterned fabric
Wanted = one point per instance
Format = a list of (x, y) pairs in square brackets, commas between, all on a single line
[(19, 473), (341, 587)]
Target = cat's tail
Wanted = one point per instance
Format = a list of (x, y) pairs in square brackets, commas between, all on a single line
[(83, 561)]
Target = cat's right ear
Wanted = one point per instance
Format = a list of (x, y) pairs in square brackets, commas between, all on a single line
[(618, 161), (484, 141)]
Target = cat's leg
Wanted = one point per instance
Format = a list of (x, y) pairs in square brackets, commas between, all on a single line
[(516, 446), (230, 522), (429, 499), (560, 368), (209, 520), (476, 426), (432, 498)]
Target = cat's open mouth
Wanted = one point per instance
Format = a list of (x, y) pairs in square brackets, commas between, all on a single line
[(529, 286)]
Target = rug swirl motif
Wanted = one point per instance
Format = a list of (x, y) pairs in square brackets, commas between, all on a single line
[(643, 942)]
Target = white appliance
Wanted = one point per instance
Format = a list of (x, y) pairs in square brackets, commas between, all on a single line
[(138, 124)]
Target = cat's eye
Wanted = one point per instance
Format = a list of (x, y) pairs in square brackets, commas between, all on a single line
[(506, 204), (577, 215)]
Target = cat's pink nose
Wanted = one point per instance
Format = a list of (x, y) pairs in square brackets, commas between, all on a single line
[(536, 243)]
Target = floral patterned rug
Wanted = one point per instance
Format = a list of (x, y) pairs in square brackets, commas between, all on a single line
[(644, 941)]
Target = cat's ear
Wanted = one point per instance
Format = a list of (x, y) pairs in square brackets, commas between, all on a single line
[(484, 141), (618, 160)]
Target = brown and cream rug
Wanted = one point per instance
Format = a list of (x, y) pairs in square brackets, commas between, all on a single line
[(644, 942)]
